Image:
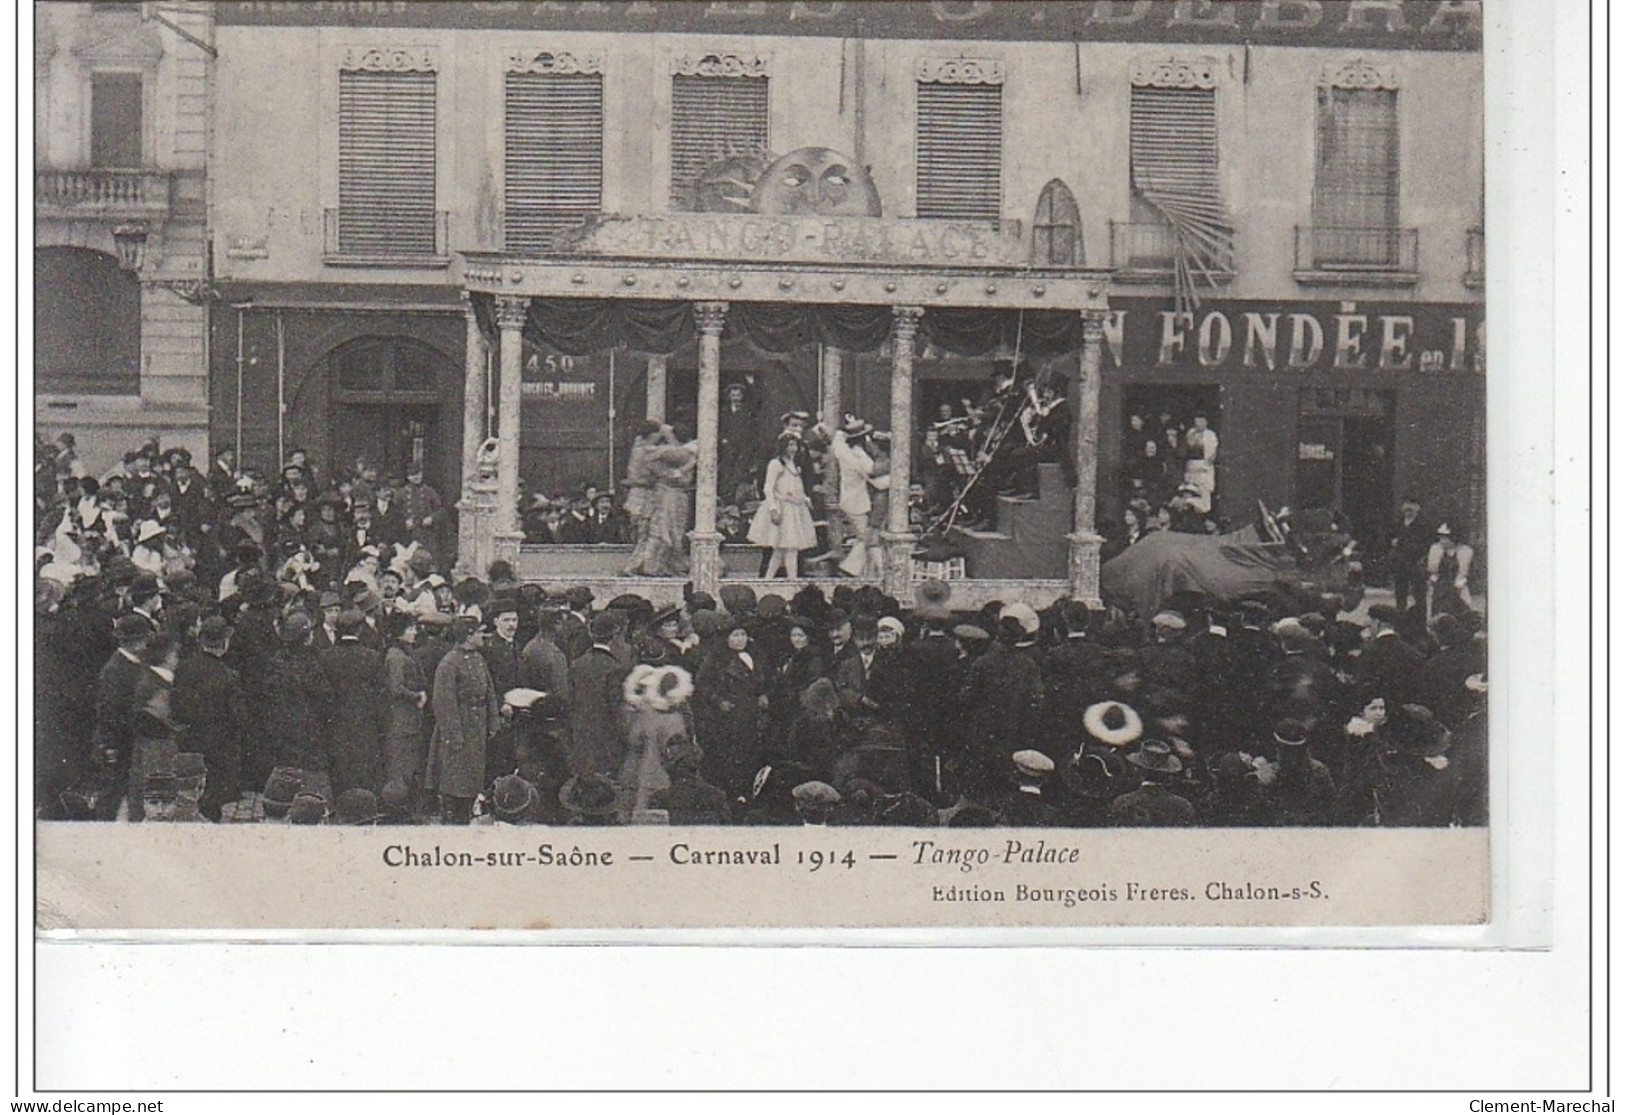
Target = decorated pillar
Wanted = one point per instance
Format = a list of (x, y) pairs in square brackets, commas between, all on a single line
[(899, 540), (1083, 564), (829, 413), (511, 311), (705, 549), (476, 525), (655, 408)]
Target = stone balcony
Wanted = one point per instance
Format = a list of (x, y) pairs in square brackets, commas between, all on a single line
[(109, 195)]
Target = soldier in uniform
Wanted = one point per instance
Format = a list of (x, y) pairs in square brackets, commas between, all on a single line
[(467, 714)]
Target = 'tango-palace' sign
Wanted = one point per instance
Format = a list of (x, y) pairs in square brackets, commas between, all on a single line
[(741, 238)]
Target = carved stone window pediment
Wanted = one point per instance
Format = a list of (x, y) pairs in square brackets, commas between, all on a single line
[(721, 64), (1175, 73), (390, 59), (960, 71), (554, 62), (1359, 73)]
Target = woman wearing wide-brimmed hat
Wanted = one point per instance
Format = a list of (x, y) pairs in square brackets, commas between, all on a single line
[(658, 699)]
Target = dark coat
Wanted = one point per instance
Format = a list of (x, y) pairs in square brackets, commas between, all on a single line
[(294, 711), (1074, 678), (404, 684), (211, 714), (1003, 702), (931, 665), (359, 713), (790, 681), (1152, 805), (572, 636), (691, 800), (502, 752), (1390, 667), (466, 712), (1300, 795), (731, 735), (597, 741), (115, 698), (1024, 810)]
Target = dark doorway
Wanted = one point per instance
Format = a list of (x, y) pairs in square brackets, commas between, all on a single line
[(1345, 457), (1157, 423), (390, 435), (386, 407)]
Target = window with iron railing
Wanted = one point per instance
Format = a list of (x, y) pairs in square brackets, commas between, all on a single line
[(553, 169), (1475, 258), (1355, 210), (386, 212), (1180, 228)]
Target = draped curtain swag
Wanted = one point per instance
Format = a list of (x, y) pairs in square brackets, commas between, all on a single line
[(582, 326)]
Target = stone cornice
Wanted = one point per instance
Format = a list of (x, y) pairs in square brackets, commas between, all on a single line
[(973, 287)]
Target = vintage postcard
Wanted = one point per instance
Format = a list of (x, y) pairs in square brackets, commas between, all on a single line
[(690, 465)]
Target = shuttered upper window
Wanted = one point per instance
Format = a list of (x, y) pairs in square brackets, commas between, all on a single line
[(553, 175), (959, 134), (1174, 169), (387, 164), (713, 118), (1357, 159)]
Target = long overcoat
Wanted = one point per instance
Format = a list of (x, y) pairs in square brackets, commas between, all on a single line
[(466, 713)]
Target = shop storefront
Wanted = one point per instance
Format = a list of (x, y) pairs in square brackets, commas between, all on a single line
[(1331, 406)]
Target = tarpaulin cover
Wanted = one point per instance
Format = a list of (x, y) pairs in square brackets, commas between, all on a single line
[(1226, 566)]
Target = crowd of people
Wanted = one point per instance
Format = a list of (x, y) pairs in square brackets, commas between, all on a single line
[(375, 688)]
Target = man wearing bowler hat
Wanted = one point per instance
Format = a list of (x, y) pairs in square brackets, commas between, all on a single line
[(113, 737), (596, 742)]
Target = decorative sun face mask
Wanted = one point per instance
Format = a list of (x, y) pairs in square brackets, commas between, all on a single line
[(815, 181)]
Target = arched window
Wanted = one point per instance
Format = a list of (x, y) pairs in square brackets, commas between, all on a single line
[(87, 324), (1057, 235)]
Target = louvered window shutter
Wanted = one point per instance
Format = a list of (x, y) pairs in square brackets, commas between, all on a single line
[(1357, 161), (1174, 166), (386, 163), (553, 176), (712, 118), (959, 168)]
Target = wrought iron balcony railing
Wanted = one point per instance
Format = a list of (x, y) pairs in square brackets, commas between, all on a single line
[(1475, 259), (1144, 251), (1330, 253)]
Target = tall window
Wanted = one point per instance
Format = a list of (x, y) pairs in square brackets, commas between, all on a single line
[(959, 141), (387, 163), (1356, 201), (553, 172), (1180, 219), (115, 121), (718, 111)]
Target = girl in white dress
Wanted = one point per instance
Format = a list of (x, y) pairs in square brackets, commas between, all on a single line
[(784, 523)]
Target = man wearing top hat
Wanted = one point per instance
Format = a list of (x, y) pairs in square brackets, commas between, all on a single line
[(467, 713)]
